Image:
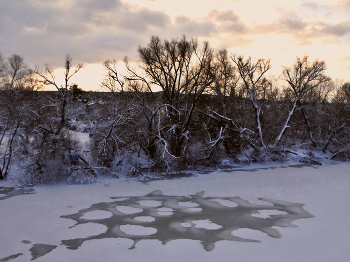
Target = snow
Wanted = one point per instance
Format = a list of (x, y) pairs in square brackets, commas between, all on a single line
[(194, 209), (188, 204), (128, 210), (37, 223), (150, 203), (225, 202), (98, 214), (268, 213), (137, 230), (145, 219), (207, 224), (165, 211)]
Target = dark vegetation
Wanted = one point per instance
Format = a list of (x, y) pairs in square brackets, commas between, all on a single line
[(210, 109)]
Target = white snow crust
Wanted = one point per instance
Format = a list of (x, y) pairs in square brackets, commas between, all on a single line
[(98, 214), (207, 224), (324, 191), (128, 210), (150, 203), (137, 230), (144, 218)]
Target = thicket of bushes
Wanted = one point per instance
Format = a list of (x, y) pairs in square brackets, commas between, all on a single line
[(212, 107)]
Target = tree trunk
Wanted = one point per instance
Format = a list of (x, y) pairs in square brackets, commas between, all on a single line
[(307, 125), (291, 112), (258, 112)]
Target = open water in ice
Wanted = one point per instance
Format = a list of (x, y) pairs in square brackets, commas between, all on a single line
[(166, 218), (195, 217)]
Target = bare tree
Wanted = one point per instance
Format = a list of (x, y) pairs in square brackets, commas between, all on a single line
[(3, 71), (113, 81), (112, 135), (343, 93), (251, 73), (302, 78), (48, 137), (7, 148), (322, 92), (32, 82), (183, 72), (13, 72), (225, 90), (12, 108), (48, 78)]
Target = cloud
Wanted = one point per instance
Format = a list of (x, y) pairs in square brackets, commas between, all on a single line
[(228, 21), (91, 31), (192, 27), (44, 31), (339, 29), (121, 42), (141, 19), (97, 5), (312, 5), (288, 23), (214, 24), (342, 6), (291, 22), (305, 31), (224, 16)]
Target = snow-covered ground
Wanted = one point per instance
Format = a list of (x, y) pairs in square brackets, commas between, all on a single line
[(100, 222)]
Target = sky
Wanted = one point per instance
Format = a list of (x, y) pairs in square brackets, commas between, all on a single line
[(91, 31)]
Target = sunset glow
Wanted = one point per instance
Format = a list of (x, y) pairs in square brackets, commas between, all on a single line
[(92, 31)]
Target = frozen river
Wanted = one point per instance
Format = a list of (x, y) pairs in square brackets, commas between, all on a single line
[(279, 214)]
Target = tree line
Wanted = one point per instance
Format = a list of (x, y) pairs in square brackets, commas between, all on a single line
[(211, 106)]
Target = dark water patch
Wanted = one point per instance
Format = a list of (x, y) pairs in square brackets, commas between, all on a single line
[(256, 169), (26, 242), (310, 161), (13, 191), (39, 250), (204, 219), (170, 176), (147, 178), (10, 257)]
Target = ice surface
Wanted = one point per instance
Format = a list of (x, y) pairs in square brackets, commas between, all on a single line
[(150, 203), (119, 198), (268, 213), (128, 210), (194, 209), (225, 202), (42, 218), (187, 204), (86, 230), (252, 234), (165, 209), (7, 192), (211, 221), (97, 214), (206, 224), (11, 257), (39, 250), (145, 219), (137, 230)]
